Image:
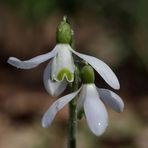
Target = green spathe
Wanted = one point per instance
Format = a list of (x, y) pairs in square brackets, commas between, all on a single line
[(66, 72), (64, 33), (87, 74)]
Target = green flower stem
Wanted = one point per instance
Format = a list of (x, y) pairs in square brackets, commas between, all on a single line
[(72, 125), (73, 114)]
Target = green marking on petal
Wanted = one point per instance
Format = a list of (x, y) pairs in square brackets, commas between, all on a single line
[(65, 71)]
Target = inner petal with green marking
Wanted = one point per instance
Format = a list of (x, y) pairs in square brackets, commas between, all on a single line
[(64, 72)]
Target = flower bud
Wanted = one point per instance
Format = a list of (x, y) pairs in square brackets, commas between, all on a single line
[(64, 32), (87, 74)]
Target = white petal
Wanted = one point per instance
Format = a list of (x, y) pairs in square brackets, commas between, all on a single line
[(63, 61), (111, 99), (82, 97), (55, 107), (28, 64), (95, 111), (52, 87), (102, 68)]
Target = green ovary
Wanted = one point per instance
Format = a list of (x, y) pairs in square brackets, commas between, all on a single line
[(65, 71)]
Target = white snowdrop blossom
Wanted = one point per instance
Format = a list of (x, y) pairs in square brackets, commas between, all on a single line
[(61, 68), (90, 99)]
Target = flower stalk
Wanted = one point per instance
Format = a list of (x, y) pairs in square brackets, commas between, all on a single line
[(72, 110), (73, 114), (72, 124)]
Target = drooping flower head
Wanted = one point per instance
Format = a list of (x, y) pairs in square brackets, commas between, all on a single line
[(60, 69), (90, 100), (62, 66)]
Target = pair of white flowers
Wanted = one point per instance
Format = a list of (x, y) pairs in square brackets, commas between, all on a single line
[(60, 71)]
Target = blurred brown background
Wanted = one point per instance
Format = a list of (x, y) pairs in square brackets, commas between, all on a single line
[(114, 31)]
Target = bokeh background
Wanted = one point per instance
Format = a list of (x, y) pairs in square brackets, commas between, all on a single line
[(112, 30)]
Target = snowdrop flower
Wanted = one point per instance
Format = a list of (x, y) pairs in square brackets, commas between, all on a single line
[(60, 68), (89, 100)]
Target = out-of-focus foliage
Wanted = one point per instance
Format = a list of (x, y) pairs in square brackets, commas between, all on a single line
[(32, 10), (36, 9)]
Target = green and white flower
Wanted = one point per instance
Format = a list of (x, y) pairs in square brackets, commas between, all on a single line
[(89, 100), (59, 69), (62, 68)]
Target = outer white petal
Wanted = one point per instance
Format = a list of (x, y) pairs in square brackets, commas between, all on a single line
[(55, 107), (52, 87), (95, 111), (102, 68), (111, 99), (63, 60), (34, 62), (82, 97)]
